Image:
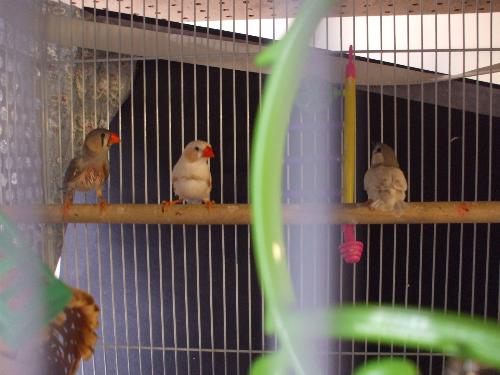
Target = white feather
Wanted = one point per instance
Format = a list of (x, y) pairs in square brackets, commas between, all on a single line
[(192, 181)]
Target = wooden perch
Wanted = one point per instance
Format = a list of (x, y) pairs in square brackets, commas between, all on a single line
[(239, 214)]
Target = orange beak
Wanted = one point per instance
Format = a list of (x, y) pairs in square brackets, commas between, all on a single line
[(208, 152), (113, 139)]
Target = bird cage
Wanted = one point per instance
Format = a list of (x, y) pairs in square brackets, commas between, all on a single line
[(181, 288)]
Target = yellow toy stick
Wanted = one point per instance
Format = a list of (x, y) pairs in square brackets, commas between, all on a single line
[(350, 249), (349, 152)]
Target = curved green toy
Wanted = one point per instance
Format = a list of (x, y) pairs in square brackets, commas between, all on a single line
[(450, 334)]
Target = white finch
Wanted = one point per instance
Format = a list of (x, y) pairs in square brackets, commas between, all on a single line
[(191, 177), (91, 169), (384, 182)]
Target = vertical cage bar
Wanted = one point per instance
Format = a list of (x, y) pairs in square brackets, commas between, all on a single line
[(476, 168), (381, 237), (221, 166), (262, 312), (98, 234), (121, 165), (158, 190), (197, 250), (449, 142), (184, 239), (368, 149), (408, 158), (395, 126), (110, 242), (462, 193), (448, 229), (490, 170), (235, 188), (146, 183), (83, 57), (170, 164), (133, 163), (72, 137), (422, 169), (328, 139), (247, 150), (59, 123), (211, 310), (434, 227), (354, 271)]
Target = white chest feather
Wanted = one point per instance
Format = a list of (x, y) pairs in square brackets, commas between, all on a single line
[(192, 180)]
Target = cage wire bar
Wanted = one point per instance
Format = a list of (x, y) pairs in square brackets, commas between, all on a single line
[(185, 299)]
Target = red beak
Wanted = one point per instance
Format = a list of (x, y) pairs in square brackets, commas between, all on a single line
[(113, 139), (208, 152)]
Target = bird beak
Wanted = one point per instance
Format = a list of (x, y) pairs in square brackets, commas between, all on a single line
[(208, 152), (113, 139)]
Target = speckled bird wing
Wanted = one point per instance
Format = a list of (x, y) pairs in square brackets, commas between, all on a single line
[(85, 178), (72, 173)]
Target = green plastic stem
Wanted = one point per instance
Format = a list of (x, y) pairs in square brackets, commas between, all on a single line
[(448, 333), (389, 366), (287, 57)]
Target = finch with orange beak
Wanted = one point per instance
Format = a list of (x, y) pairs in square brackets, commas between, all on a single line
[(90, 170), (191, 177)]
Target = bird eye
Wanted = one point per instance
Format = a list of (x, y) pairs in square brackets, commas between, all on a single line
[(197, 148)]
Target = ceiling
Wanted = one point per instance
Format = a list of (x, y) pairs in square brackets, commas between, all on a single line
[(190, 10)]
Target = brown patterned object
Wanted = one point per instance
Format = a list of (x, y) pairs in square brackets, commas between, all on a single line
[(58, 348), (71, 336)]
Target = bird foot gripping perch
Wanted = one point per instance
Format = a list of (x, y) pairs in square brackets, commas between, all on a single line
[(102, 205), (66, 206), (165, 205), (351, 249), (208, 204)]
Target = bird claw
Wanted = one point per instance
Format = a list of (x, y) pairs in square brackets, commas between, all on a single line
[(102, 205), (377, 205), (399, 207), (167, 204), (380, 205), (208, 204), (67, 205)]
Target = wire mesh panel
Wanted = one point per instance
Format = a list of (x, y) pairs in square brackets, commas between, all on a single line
[(21, 61)]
